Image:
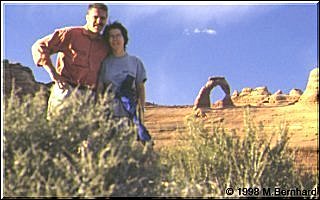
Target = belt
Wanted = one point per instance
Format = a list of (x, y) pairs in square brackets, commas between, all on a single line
[(80, 87)]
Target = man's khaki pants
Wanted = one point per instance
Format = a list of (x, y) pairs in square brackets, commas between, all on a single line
[(58, 98)]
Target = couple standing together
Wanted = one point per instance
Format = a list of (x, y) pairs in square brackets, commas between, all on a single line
[(88, 60)]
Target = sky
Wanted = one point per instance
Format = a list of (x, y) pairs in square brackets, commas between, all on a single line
[(182, 44)]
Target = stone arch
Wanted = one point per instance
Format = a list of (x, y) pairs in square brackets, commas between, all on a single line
[(203, 98)]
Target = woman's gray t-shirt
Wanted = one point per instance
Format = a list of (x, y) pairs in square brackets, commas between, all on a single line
[(115, 70)]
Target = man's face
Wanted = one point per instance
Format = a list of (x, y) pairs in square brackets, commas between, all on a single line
[(96, 20)]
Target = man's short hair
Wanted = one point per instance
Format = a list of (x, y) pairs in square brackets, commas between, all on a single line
[(98, 6)]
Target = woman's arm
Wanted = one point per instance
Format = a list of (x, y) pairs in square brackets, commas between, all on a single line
[(141, 100)]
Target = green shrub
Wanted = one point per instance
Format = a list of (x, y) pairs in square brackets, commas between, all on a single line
[(83, 152), (207, 163)]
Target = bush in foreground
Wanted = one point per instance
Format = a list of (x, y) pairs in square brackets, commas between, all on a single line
[(208, 163), (85, 152)]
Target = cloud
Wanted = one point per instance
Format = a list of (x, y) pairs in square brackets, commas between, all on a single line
[(195, 15), (208, 31), (196, 30), (133, 14)]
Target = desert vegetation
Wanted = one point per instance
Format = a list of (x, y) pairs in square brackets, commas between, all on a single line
[(85, 152)]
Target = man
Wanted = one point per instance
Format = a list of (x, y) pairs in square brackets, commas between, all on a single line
[(81, 51)]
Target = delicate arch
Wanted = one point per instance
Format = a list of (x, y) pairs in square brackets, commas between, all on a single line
[(203, 98)]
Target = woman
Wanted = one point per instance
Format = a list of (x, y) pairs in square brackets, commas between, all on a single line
[(125, 76)]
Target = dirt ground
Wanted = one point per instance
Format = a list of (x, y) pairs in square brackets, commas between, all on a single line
[(165, 123)]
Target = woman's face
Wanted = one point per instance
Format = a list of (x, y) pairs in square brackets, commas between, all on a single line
[(116, 39)]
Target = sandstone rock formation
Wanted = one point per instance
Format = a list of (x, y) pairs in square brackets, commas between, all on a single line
[(311, 93), (203, 99), (260, 96), (249, 96), (22, 79)]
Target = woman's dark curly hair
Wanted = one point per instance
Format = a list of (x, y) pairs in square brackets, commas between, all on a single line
[(116, 25)]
